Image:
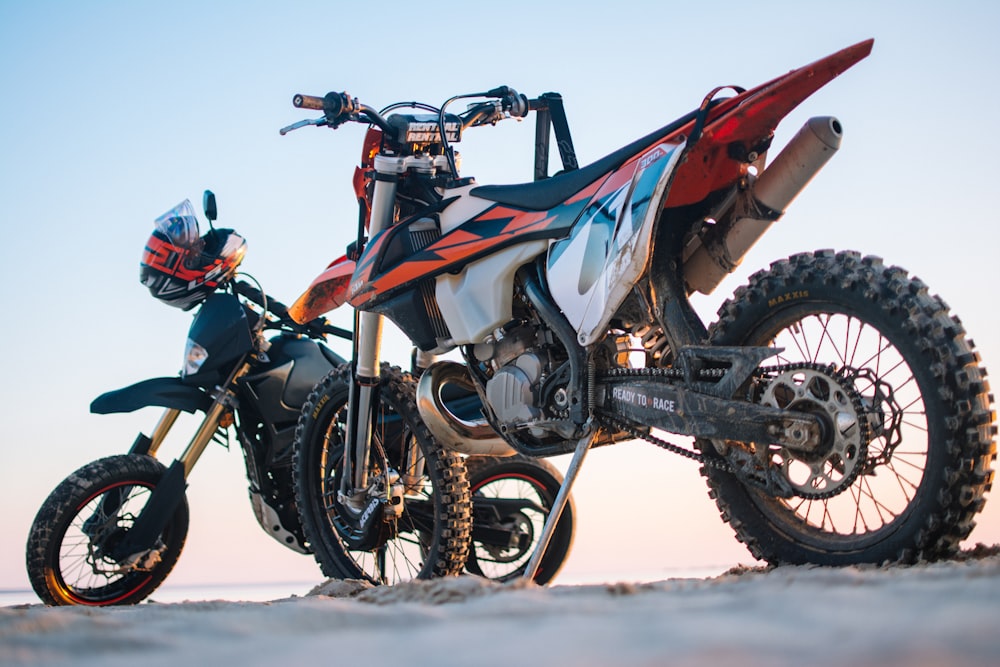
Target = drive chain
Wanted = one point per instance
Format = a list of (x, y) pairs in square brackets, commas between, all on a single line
[(617, 423), (638, 431)]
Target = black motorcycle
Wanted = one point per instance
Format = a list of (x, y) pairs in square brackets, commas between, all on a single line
[(111, 532)]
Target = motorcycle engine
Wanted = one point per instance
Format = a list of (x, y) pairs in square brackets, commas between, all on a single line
[(524, 391)]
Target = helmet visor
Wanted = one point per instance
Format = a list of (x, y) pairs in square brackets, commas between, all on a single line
[(180, 225)]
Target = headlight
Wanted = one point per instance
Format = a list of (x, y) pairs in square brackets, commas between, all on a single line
[(194, 357)]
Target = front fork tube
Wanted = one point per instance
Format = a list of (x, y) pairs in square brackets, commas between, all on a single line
[(359, 420), (204, 435), (363, 396), (151, 445), (209, 425), (163, 427)]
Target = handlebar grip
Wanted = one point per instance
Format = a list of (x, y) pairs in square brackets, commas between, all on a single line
[(514, 103), (307, 102), (335, 106), (499, 91)]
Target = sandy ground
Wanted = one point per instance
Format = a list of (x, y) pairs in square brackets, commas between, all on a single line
[(928, 614)]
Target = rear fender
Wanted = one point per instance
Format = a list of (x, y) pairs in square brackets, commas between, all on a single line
[(161, 392), (740, 128), (327, 292)]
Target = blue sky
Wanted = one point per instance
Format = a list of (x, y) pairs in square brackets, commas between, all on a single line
[(113, 112)]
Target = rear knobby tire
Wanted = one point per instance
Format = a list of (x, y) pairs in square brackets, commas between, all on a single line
[(915, 500), (434, 530), (533, 482), (74, 529)]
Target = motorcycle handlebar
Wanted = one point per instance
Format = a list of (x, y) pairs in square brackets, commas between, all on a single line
[(338, 107), (318, 328), (273, 306)]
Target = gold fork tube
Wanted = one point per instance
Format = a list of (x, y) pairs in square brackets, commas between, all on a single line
[(210, 424), (201, 439), (167, 421)]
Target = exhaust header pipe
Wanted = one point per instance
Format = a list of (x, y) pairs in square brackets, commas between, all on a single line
[(473, 438), (724, 247)]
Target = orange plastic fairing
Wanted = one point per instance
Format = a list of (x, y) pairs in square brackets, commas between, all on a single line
[(326, 293)]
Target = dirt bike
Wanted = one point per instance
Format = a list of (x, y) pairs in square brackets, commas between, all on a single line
[(113, 530), (839, 412)]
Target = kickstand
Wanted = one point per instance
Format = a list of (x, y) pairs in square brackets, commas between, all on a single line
[(582, 447)]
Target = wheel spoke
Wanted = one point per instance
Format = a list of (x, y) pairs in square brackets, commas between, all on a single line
[(871, 503)]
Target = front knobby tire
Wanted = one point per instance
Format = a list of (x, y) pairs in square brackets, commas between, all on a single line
[(926, 403), (516, 493), (431, 538), (69, 545)]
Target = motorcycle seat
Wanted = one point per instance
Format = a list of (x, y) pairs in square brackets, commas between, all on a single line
[(550, 192)]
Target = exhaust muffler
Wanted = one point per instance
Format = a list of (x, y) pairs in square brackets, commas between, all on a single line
[(723, 247), (475, 438)]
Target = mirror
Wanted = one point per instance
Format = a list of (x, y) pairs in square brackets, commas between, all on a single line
[(208, 203)]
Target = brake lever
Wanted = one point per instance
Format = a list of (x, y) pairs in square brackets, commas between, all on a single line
[(302, 123)]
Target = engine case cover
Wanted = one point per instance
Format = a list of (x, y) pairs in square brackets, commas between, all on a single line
[(511, 391)]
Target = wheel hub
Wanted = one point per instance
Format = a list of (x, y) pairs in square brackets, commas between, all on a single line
[(522, 537), (831, 467)]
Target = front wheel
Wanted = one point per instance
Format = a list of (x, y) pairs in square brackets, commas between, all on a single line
[(908, 459), (430, 537), (71, 545), (511, 499)]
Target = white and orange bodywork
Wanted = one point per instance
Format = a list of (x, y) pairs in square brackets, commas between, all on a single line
[(598, 239)]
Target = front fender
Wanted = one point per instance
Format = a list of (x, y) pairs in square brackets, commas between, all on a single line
[(163, 392)]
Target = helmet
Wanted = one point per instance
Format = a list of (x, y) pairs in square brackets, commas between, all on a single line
[(179, 267)]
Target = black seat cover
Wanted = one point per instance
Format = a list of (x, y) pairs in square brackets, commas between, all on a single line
[(550, 192)]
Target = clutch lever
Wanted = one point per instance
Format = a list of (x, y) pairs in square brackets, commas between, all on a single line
[(302, 123)]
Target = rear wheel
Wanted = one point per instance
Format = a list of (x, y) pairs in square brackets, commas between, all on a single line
[(870, 351), (511, 499), (70, 551), (430, 538)]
